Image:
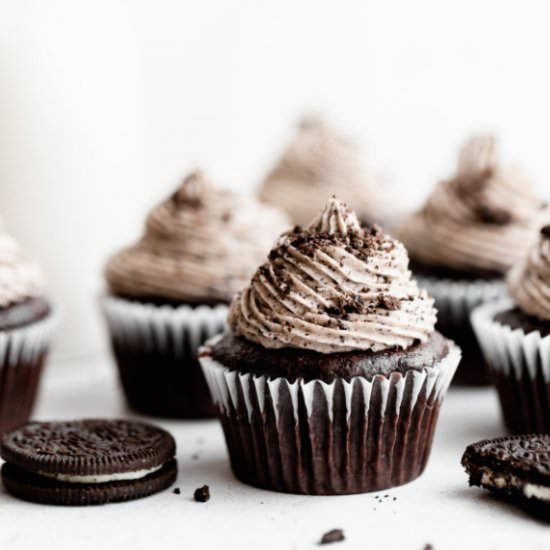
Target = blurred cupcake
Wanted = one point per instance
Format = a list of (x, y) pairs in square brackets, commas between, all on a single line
[(472, 229), (330, 378), (515, 338), (319, 164), (26, 327), (169, 292)]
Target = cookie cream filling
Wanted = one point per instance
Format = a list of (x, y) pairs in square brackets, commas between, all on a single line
[(529, 490), (101, 478)]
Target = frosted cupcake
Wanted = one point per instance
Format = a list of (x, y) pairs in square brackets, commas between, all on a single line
[(515, 337), (169, 292), (331, 376), (26, 327), (318, 164), (472, 229)]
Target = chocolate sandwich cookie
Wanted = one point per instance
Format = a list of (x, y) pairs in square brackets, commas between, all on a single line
[(87, 461), (515, 467)]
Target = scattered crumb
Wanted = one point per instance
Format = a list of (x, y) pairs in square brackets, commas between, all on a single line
[(195, 456), (394, 498), (428, 546), (202, 494), (177, 491), (335, 535)]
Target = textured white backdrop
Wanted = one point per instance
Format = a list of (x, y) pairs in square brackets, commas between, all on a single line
[(105, 104)]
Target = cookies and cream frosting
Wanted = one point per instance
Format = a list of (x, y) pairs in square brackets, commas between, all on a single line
[(200, 245), (20, 278), (334, 287), (480, 220), (529, 281), (317, 165)]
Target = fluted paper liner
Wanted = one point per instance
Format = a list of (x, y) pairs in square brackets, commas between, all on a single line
[(329, 438), (155, 348), (519, 364), (22, 354), (455, 300)]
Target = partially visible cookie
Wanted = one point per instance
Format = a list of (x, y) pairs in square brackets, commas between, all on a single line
[(87, 461), (516, 467)]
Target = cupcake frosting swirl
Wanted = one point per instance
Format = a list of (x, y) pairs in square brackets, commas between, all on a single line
[(529, 281), (20, 278), (316, 165), (200, 246), (334, 287), (480, 220)]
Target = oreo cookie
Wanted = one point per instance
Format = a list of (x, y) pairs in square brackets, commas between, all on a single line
[(87, 461), (514, 467)]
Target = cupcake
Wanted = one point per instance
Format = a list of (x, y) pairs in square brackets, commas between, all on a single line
[(472, 229), (26, 327), (316, 165), (515, 338), (169, 292), (331, 375)]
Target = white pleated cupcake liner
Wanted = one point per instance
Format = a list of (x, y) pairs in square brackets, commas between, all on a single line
[(508, 350), (28, 343), (150, 327), (274, 427), (519, 364), (230, 388), (455, 300)]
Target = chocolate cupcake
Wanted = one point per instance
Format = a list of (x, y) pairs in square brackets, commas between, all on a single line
[(515, 338), (318, 164), (169, 292), (26, 327), (331, 376), (472, 229)]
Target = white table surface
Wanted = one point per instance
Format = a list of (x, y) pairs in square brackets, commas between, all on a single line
[(439, 508)]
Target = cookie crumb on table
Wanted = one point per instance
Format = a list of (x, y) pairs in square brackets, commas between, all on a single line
[(202, 494), (335, 535)]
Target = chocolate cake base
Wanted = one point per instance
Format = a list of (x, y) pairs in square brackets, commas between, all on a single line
[(516, 319), (239, 354), (424, 270), (24, 313)]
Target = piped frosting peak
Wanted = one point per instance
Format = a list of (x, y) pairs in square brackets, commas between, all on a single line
[(200, 245), (317, 164), (529, 281), (480, 219), (335, 219), (332, 287)]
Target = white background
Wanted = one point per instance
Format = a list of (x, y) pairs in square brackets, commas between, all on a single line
[(105, 104)]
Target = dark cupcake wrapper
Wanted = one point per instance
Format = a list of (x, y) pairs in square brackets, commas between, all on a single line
[(455, 300), (519, 365), (155, 349), (320, 438), (22, 354)]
